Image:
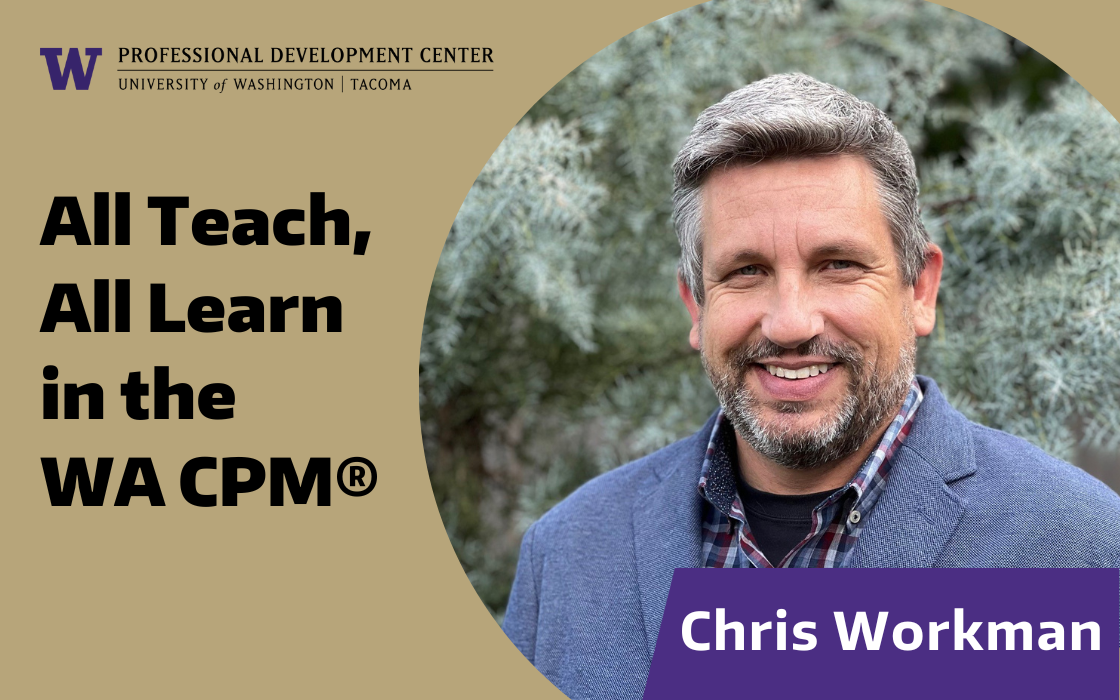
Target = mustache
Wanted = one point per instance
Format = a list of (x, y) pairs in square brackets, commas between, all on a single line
[(746, 355)]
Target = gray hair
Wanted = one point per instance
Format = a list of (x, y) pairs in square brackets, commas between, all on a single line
[(794, 116)]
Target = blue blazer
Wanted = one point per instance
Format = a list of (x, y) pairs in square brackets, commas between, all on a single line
[(594, 573)]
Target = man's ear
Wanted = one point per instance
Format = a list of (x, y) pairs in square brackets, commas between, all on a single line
[(925, 292), (693, 311)]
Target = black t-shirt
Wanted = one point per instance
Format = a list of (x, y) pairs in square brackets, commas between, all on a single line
[(778, 523)]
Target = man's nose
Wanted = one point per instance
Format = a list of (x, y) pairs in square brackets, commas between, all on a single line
[(794, 317)]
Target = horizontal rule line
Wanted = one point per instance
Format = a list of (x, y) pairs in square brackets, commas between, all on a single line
[(305, 70)]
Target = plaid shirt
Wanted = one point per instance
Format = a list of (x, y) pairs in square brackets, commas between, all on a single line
[(837, 521)]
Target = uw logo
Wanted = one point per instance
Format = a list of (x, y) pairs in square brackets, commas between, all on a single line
[(61, 76)]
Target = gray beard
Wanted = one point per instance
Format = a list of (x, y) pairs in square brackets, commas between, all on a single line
[(867, 402)]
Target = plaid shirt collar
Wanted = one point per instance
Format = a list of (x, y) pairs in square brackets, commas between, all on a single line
[(837, 521)]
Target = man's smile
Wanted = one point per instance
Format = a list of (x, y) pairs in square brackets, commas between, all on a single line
[(791, 386), (799, 372)]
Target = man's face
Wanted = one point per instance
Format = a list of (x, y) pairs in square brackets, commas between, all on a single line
[(807, 328)]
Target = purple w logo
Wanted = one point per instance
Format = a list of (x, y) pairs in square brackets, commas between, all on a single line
[(60, 76)]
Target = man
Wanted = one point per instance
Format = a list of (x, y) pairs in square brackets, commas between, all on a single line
[(808, 275)]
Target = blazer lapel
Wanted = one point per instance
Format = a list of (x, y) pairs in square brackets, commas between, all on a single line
[(667, 522), (918, 512)]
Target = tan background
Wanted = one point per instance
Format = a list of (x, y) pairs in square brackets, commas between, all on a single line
[(365, 597)]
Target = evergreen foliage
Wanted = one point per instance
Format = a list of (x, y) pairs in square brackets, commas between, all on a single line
[(1029, 304), (555, 346)]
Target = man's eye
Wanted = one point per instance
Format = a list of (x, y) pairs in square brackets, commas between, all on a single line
[(840, 264), (750, 270)]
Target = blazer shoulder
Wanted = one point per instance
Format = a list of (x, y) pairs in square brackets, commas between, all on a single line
[(1026, 479), (1028, 466)]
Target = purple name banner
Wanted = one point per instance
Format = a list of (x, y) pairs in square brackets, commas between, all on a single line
[(889, 633)]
